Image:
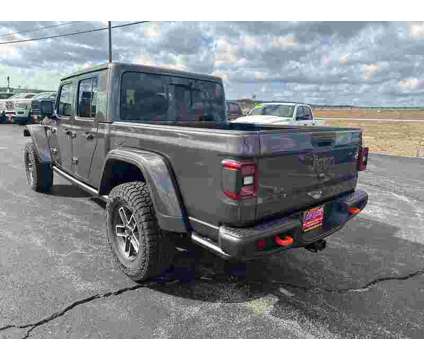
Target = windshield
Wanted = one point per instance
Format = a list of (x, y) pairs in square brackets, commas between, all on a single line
[(154, 97), (274, 110), (5, 96)]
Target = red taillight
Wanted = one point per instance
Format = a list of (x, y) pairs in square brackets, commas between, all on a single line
[(362, 158), (239, 179), (261, 244)]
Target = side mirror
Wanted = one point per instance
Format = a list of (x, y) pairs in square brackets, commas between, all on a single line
[(46, 108)]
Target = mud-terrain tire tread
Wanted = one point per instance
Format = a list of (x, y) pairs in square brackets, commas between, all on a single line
[(42, 173), (156, 249)]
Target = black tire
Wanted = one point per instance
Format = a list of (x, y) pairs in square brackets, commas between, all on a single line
[(39, 176), (155, 249)]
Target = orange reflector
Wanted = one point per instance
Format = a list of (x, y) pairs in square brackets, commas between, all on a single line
[(285, 241), (354, 211), (261, 244)]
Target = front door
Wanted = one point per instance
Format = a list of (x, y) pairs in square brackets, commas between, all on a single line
[(63, 128), (85, 127)]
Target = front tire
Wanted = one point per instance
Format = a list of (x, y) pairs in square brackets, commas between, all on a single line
[(39, 175), (140, 247)]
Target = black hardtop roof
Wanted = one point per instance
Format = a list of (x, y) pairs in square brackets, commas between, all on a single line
[(143, 68)]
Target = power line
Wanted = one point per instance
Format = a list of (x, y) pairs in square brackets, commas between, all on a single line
[(36, 30), (73, 33)]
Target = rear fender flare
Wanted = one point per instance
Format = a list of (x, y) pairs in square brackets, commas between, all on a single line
[(160, 180)]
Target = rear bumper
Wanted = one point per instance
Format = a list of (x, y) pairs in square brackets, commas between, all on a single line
[(240, 243)]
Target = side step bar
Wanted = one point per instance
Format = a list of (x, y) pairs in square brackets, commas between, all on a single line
[(202, 241), (92, 191), (206, 243)]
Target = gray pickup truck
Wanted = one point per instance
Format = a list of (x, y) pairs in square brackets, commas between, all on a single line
[(156, 145)]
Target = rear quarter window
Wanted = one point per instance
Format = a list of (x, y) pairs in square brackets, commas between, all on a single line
[(146, 97)]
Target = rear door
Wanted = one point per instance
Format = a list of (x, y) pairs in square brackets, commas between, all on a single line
[(85, 128)]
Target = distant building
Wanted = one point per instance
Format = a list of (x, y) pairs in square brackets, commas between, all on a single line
[(3, 89)]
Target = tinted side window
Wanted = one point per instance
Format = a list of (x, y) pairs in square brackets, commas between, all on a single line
[(87, 98), (299, 113), (65, 100), (143, 97), (308, 114), (158, 97)]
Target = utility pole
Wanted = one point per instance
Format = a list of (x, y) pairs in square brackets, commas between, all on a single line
[(109, 23), (8, 84)]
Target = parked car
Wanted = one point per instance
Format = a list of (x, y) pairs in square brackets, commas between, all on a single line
[(3, 97), (20, 108), (233, 110), (155, 144), (280, 114), (6, 95), (42, 104)]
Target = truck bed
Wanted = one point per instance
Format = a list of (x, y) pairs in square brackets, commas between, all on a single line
[(286, 159), (252, 127)]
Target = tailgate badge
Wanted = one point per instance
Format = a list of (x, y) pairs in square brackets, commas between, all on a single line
[(316, 195), (323, 164)]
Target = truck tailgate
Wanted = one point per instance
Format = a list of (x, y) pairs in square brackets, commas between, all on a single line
[(300, 169)]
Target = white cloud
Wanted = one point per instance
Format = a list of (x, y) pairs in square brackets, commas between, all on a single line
[(369, 70), (221, 74), (225, 53), (259, 75), (249, 42), (284, 41), (145, 59), (152, 31), (336, 63), (344, 59), (411, 84), (416, 30)]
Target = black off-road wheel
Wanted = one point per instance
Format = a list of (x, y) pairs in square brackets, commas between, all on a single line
[(141, 249), (39, 176)]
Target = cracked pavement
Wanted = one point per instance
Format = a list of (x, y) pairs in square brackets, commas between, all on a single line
[(58, 278)]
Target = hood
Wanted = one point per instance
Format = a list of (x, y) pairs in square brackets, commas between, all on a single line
[(262, 119), (22, 101)]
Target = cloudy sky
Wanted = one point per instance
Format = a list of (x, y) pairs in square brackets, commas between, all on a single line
[(359, 63)]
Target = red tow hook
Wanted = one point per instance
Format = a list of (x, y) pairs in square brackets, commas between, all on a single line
[(285, 241), (354, 211)]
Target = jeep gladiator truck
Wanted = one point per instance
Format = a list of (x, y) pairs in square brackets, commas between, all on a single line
[(156, 146)]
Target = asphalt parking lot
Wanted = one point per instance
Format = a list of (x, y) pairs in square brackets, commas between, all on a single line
[(58, 278)]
